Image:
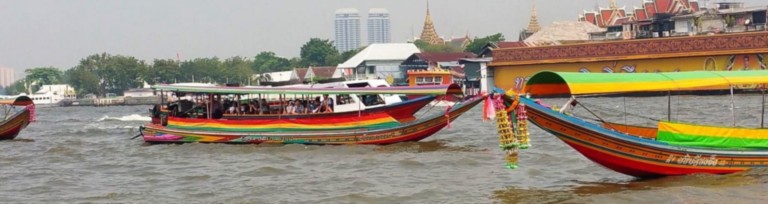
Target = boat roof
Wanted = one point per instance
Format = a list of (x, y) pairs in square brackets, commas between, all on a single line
[(411, 90), (17, 101), (575, 83)]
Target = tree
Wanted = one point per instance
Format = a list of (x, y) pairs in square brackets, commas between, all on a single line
[(269, 62), (319, 52), (236, 70), (442, 48), (349, 54), (163, 71), (106, 74), (201, 70), (40, 76), (17, 87), (477, 45), (83, 81)]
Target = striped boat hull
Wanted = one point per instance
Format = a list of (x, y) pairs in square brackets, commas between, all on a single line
[(636, 156)]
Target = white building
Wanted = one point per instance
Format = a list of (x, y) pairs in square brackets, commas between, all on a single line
[(347, 33), (379, 61), (378, 26)]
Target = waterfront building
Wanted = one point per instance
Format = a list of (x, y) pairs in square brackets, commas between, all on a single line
[(435, 68), (347, 30), (616, 16), (378, 26), (725, 52), (379, 61)]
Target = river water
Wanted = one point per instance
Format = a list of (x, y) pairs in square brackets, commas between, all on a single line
[(84, 154)]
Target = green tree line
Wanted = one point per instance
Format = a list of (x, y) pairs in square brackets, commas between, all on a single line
[(107, 73)]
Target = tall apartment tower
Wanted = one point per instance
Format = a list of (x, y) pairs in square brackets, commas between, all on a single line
[(378, 26), (347, 29), (7, 76)]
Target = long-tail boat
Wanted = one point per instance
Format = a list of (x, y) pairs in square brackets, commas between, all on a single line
[(393, 105), (18, 113), (670, 148), (370, 126)]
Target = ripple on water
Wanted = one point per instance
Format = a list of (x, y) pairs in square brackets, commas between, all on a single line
[(75, 154)]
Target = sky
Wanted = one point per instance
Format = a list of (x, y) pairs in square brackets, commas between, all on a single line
[(38, 33)]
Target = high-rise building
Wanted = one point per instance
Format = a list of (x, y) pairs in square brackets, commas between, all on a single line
[(378, 26), (347, 29), (7, 76)]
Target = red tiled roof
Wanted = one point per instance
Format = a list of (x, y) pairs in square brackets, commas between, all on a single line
[(650, 9), (590, 17), (323, 72), (444, 57), (640, 14), (663, 6), (694, 6), (300, 72)]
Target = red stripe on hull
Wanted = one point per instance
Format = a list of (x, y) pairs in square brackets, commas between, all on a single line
[(415, 137), (11, 133), (639, 169)]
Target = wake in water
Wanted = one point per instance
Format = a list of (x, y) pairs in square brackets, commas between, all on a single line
[(132, 117)]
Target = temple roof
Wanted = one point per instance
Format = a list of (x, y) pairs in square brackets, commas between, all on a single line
[(563, 31), (533, 24), (428, 33)]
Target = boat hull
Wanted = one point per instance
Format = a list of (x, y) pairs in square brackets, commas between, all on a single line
[(412, 131), (402, 112), (11, 127), (636, 156)]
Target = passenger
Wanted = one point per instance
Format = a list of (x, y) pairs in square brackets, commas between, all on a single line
[(314, 105), (328, 104), (253, 107), (289, 108), (263, 107), (298, 108)]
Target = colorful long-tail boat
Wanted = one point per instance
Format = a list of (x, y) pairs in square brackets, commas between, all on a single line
[(18, 113), (371, 126), (670, 148)]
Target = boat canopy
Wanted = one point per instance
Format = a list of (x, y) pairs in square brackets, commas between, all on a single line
[(18, 101), (410, 90), (575, 83)]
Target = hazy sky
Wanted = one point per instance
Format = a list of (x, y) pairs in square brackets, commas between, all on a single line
[(59, 33)]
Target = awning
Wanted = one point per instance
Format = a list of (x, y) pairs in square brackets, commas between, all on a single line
[(410, 90), (574, 83)]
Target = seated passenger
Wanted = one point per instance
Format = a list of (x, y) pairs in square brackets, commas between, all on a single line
[(298, 108), (263, 107)]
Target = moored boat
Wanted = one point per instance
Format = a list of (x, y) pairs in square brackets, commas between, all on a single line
[(18, 113), (670, 148)]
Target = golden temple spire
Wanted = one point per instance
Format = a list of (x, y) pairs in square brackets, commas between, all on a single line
[(614, 6), (533, 25), (428, 34)]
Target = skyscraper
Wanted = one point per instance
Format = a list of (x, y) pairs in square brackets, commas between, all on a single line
[(378, 26), (347, 29), (7, 76)]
